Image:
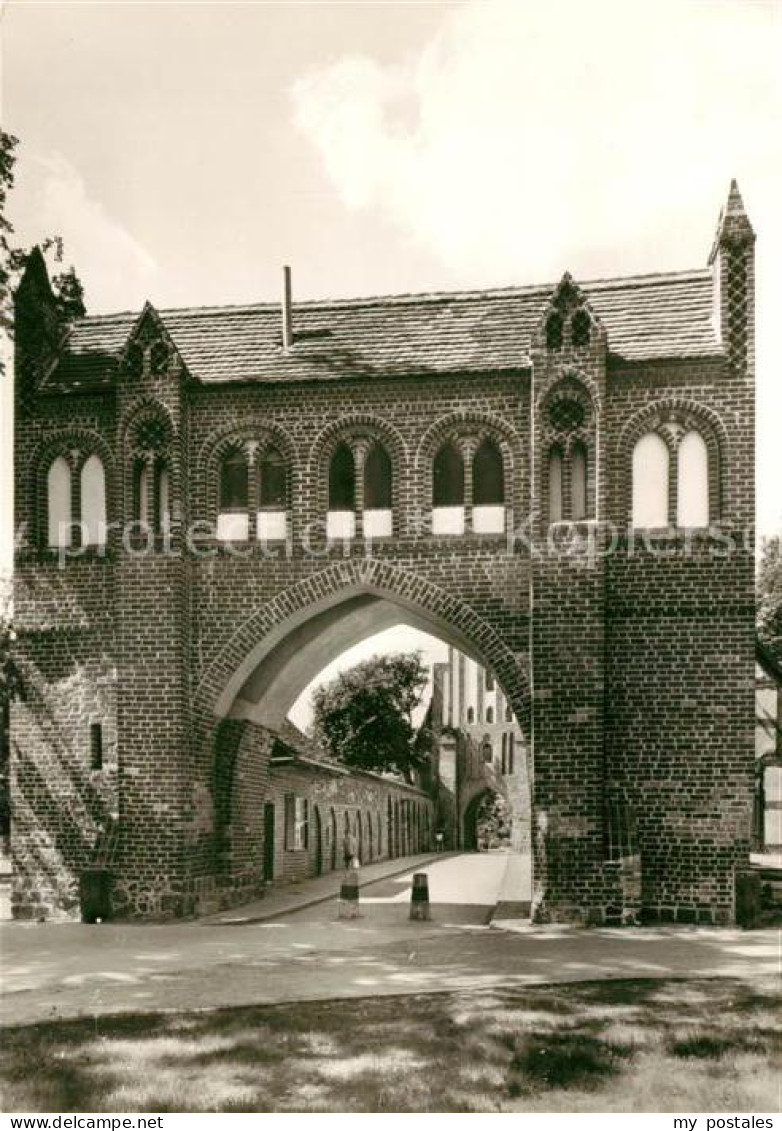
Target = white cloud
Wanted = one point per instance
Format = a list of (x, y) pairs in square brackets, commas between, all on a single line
[(526, 139), (545, 133), (114, 267)]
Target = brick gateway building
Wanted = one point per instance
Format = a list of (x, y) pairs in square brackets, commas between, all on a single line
[(554, 480)]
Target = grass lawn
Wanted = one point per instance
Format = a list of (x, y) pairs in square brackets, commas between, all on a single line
[(640, 1045)]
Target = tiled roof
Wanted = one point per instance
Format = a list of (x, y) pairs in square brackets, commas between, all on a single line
[(651, 316)]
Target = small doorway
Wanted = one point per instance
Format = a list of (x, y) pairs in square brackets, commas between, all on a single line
[(268, 841), (333, 840), (318, 842)]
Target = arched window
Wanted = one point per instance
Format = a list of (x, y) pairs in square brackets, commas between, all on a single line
[(578, 482), (274, 480), (58, 488), (555, 485), (511, 751), (377, 479), (93, 502), (692, 504), (489, 681), (650, 481), (234, 481), (580, 328), (233, 523), (554, 332), (488, 475), (470, 714), (341, 522), (486, 750), (342, 480), (508, 715), (378, 522), (489, 714), (448, 491), (448, 477), (488, 489), (162, 498), (158, 358), (272, 520), (141, 492)]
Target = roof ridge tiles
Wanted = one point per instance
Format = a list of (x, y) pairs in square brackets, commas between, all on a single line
[(411, 298)]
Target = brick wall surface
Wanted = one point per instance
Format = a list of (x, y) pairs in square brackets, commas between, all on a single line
[(630, 671)]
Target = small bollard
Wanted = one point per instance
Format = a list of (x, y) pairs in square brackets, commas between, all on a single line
[(348, 897), (419, 897)]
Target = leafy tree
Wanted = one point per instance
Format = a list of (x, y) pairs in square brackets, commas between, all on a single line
[(8, 144), (10, 688), (69, 293), (769, 596), (363, 717), (67, 288), (493, 821)]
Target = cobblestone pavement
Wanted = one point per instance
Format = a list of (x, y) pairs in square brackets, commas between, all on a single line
[(62, 970)]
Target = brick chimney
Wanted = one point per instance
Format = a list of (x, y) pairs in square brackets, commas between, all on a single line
[(287, 310)]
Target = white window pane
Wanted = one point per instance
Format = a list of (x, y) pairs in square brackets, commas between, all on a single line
[(340, 524), (378, 523), (488, 520), (272, 526), (448, 520), (59, 496), (693, 465), (772, 783), (233, 526), (650, 482), (93, 502)]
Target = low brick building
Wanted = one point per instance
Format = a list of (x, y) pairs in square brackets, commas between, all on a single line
[(316, 803), (556, 480)]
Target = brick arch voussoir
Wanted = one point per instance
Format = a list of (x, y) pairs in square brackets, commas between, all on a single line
[(146, 408), (87, 442), (691, 414), (265, 432), (482, 426), (574, 380), (382, 578), (370, 424)]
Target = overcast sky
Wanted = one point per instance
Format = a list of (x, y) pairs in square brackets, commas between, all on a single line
[(185, 151)]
